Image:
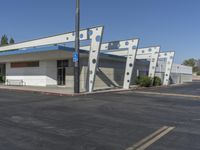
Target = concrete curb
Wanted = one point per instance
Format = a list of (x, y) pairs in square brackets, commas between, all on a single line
[(93, 93), (34, 91)]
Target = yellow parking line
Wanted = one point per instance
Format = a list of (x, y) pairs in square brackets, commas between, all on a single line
[(149, 140)]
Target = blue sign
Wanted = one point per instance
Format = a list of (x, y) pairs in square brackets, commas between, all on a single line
[(75, 57)]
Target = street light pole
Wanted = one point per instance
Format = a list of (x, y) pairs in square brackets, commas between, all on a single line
[(76, 53)]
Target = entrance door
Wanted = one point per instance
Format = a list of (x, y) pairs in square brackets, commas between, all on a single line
[(61, 76), (61, 65), (2, 73)]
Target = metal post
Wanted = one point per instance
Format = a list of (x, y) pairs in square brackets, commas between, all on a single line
[(76, 53)]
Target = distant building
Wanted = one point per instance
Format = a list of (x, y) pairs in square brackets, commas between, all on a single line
[(179, 73)]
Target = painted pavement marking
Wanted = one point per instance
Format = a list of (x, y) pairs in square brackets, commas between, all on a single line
[(149, 140), (168, 94)]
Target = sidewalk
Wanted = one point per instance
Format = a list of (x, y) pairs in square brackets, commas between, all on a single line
[(47, 90)]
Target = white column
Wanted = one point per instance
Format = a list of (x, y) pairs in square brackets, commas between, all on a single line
[(168, 68), (153, 62), (130, 62), (96, 39)]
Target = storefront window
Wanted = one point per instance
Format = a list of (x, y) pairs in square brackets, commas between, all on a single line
[(25, 64)]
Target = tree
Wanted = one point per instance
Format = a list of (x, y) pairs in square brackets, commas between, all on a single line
[(4, 40), (12, 41), (190, 62)]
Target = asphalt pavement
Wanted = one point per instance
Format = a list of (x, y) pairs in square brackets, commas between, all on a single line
[(106, 121), (190, 88)]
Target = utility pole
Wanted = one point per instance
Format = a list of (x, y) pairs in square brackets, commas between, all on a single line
[(76, 53)]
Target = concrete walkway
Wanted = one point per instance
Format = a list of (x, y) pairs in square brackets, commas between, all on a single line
[(50, 90), (58, 90)]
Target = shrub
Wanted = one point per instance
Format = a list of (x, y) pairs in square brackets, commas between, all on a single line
[(2, 79), (198, 73), (157, 81), (143, 81), (137, 81)]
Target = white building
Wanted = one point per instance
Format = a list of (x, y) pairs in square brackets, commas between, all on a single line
[(179, 73), (53, 66), (44, 62)]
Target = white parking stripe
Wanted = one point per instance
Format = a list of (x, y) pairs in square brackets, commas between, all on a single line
[(167, 94)]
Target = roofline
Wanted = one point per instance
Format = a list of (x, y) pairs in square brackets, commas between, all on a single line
[(50, 48)]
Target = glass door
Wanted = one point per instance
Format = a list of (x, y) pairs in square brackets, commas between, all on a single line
[(61, 76), (61, 65), (2, 73)]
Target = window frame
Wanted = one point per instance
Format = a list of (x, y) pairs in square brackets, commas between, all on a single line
[(25, 64)]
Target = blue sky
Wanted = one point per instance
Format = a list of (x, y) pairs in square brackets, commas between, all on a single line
[(173, 24)]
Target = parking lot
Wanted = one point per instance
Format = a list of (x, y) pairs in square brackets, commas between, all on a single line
[(106, 121), (185, 89)]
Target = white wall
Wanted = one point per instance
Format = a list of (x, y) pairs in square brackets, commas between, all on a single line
[(50, 55), (176, 68), (179, 73), (51, 72), (45, 74)]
